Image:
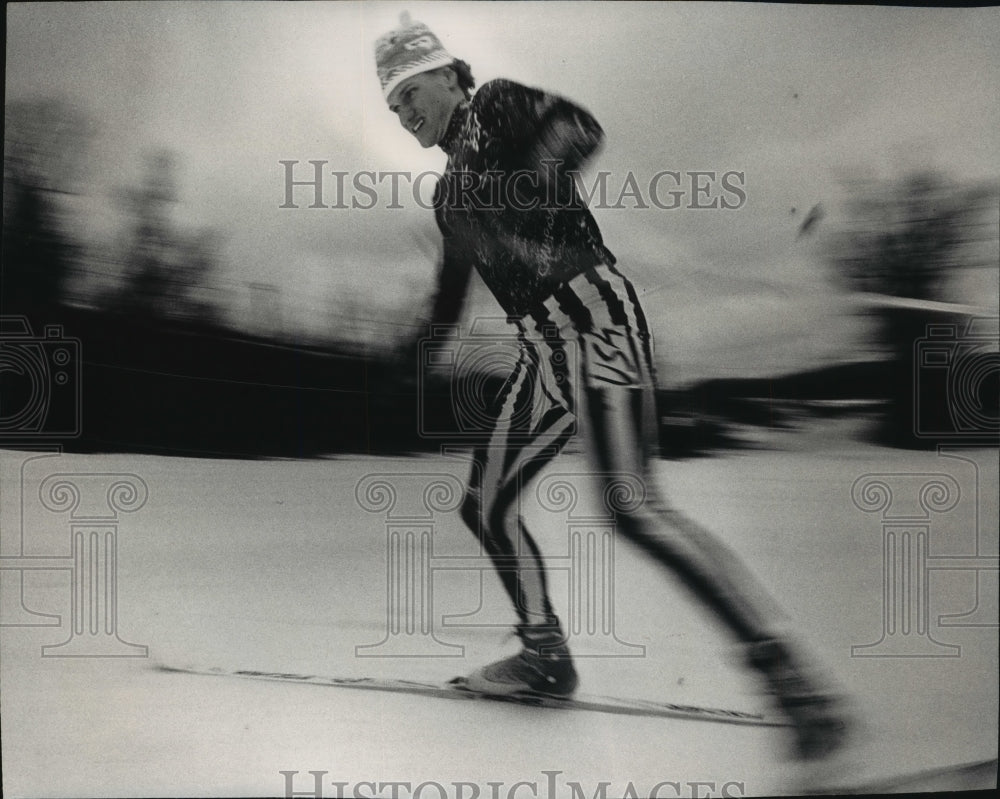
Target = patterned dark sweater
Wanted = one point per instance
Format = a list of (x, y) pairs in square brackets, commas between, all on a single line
[(506, 205)]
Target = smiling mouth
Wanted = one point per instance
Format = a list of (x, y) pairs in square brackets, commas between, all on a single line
[(417, 125)]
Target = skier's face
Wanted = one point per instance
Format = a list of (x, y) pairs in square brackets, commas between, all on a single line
[(424, 104)]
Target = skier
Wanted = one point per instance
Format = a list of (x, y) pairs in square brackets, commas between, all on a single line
[(508, 206)]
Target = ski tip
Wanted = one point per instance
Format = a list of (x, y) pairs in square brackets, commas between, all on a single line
[(184, 669)]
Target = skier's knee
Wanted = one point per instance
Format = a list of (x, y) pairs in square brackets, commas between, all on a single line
[(472, 511), (502, 519)]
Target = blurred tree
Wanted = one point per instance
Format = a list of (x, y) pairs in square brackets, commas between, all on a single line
[(907, 239), (46, 146), (167, 270), (47, 142), (197, 263), (151, 248)]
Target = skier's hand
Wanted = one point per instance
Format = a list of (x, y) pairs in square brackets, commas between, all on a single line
[(566, 142), (409, 354), (406, 355)]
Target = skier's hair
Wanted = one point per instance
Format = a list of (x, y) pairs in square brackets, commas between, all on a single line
[(464, 73)]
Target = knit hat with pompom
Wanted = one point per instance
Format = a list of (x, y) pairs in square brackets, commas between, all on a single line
[(407, 51)]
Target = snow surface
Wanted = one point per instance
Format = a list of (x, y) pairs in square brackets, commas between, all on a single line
[(274, 565)]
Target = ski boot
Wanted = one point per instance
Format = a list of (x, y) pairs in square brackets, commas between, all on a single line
[(818, 719), (543, 666)]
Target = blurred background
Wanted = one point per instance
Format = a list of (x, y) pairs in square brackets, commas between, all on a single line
[(161, 293)]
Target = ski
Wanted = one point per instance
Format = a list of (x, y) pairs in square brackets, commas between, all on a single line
[(455, 691)]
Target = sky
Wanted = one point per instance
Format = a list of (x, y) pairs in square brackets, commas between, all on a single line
[(796, 99)]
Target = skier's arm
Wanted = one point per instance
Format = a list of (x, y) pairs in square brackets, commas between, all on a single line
[(566, 134), (452, 286), (543, 126), (446, 307)]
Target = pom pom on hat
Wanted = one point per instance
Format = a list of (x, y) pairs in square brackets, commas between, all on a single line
[(409, 50)]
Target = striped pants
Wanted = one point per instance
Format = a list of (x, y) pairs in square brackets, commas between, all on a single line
[(586, 356)]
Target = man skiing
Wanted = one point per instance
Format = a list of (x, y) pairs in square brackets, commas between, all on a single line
[(508, 206)]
